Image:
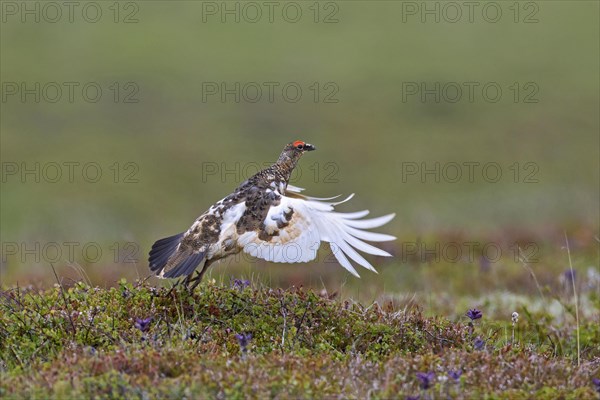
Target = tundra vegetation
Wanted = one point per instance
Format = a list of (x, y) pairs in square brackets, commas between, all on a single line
[(460, 333)]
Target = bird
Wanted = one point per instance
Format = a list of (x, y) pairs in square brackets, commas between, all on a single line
[(268, 218)]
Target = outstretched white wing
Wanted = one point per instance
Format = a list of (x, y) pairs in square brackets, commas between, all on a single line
[(294, 229)]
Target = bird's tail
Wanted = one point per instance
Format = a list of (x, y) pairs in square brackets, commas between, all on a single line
[(168, 259)]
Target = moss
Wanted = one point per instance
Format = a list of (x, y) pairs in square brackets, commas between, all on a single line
[(83, 342)]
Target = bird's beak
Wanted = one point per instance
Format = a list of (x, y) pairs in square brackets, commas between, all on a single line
[(309, 147)]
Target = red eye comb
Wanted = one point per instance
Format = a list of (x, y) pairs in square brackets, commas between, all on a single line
[(298, 143)]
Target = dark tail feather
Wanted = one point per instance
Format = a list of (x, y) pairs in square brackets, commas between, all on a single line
[(162, 250), (183, 264), (185, 267)]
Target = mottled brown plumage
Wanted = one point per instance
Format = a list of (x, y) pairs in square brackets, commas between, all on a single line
[(262, 216), (258, 193)]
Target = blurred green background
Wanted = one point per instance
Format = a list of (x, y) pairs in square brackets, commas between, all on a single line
[(365, 57)]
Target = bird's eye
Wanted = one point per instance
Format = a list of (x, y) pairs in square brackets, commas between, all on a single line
[(300, 146)]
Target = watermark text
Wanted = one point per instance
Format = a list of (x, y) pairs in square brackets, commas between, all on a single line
[(52, 12), (252, 12), (69, 92), (453, 12), (270, 92), (468, 172), (470, 92), (69, 172)]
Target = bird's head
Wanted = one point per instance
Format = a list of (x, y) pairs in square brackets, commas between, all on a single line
[(293, 151)]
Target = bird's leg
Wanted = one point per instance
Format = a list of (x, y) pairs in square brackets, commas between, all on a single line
[(175, 285), (188, 279), (198, 278)]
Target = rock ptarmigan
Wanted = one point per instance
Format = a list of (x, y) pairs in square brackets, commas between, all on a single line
[(269, 219)]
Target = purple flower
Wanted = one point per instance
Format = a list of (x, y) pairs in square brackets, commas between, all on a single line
[(455, 375), (596, 383), (426, 379), (570, 275), (416, 397), (479, 343), (474, 314), (239, 284), (143, 324), (243, 339)]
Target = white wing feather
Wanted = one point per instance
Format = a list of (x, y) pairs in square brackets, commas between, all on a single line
[(314, 220), (294, 189)]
